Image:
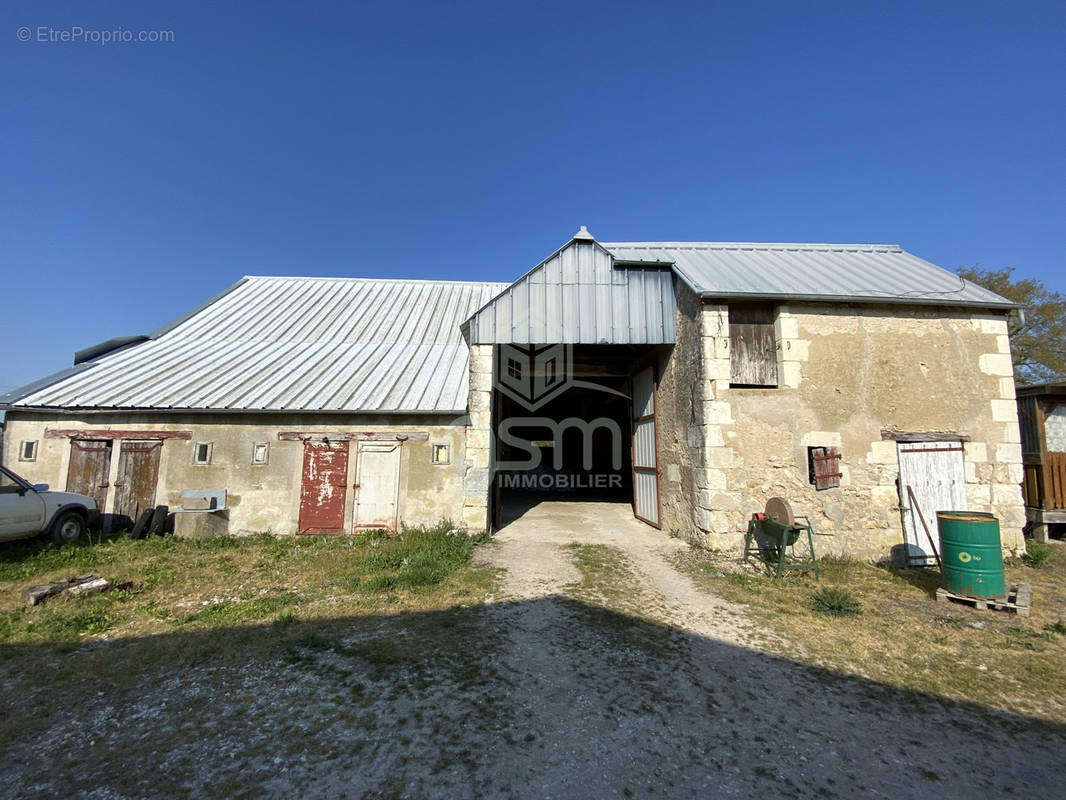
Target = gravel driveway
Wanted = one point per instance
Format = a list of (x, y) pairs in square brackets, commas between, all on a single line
[(634, 683)]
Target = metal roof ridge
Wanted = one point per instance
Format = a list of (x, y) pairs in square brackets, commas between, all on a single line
[(810, 246), (350, 279)]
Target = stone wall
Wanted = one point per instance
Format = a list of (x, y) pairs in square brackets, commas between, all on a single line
[(477, 466), (847, 376), (261, 497), (680, 437)]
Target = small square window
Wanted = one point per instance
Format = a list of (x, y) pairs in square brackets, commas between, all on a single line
[(260, 453), (28, 451), (514, 368), (441, 454), (201, 453)]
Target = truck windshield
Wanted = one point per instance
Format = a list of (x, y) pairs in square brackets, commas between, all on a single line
[(10, 482)]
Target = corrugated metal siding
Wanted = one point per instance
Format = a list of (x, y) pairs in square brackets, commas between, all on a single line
[(318, 344), (577, 296), (851, 272)]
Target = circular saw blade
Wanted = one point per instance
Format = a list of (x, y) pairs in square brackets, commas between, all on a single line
[(778, 509)]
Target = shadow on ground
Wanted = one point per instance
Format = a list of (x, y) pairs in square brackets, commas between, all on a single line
[(545, 698)]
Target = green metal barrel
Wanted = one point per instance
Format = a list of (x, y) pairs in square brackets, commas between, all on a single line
[(971, 553)]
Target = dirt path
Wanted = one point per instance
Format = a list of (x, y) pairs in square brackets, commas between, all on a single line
[(599, 672)]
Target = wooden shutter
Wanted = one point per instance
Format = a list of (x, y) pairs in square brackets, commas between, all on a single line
[(753, 351), (825, 467)]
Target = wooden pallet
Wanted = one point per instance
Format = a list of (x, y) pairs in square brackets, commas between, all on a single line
[(1019, 599)]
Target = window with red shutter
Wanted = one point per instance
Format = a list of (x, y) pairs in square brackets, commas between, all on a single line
[(824, 467)]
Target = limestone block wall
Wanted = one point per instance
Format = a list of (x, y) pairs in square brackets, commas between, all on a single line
[(477, 466), (261, 497), (678, 430), (849, 377)]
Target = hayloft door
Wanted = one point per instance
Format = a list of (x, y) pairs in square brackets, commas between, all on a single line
[(931, 479), (324, 487), (377, 485), (645, 449)]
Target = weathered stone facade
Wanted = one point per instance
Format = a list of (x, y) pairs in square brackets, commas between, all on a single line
[(260, 497), (848, 377)]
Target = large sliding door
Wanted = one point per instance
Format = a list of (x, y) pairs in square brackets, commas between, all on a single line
[(646, 504)]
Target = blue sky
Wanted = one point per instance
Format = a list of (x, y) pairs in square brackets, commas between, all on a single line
[(469, 140)]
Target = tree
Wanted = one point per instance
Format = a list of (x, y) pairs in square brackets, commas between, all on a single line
[(1038, 334)]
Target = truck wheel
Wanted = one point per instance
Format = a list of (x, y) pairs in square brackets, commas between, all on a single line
[(68, 527)]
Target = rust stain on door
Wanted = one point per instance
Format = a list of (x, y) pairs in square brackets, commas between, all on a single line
[(90, 466), (138, 472), (324, 488)]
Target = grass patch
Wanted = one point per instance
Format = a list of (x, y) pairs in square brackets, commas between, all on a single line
[(227, 582), (904, 638)]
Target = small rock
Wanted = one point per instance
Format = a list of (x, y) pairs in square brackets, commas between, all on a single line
[(978, 626)]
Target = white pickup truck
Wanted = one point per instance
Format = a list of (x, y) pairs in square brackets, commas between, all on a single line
[(27, 510)]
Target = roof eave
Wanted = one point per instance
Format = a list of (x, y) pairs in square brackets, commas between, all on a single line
[(1005, 306), (178, 410)]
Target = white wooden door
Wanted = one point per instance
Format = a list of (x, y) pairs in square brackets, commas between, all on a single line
[(645, 449), (377, 485), (931, 479)]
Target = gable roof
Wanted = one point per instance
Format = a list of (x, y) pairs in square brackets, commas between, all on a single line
[(287, 344), (857, 273)]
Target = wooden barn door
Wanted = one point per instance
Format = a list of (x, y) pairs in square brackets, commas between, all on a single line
[(931, 479), (138, 472), (645, 449), (324, 488), (89, 469), (377, 485)]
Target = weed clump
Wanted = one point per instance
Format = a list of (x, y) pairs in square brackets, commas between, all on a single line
[(834, 602), (1038, 555)]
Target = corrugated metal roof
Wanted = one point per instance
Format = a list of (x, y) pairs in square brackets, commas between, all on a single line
[(319, 344), (578, 296), (840, 272)]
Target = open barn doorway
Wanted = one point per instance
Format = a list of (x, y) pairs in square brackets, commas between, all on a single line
[(574, 423)]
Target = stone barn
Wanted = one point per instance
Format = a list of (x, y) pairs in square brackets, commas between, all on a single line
[(689, 380)]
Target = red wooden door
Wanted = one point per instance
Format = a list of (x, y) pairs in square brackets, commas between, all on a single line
[(90, 466), (324, 488)]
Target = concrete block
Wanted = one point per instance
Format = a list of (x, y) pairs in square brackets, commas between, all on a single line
[(995, 364), (978, 496), (882, 453), (790, 375), (201, 524), (718, 456), (703, 520), (710, 478), (717, 412), (1012, 433), (478, 439), (795, 349), (712, 436), (1006, 494), (1010, 453), (480, 401), (1003, 343), (786, 327), (1004, 411), (475, 518), (1007, 389), (821, 439), (993, 325)]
